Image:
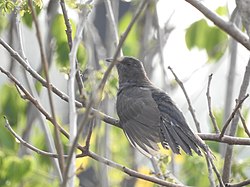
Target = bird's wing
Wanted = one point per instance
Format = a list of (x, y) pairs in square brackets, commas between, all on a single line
[(139, 118), (174, 131)]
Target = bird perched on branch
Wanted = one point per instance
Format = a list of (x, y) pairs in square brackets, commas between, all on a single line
[(148, 115)]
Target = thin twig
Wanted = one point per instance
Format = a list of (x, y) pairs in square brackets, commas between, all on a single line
[(87, 144), (209, 105), (237, 107), (70, 40), (31, 147), (228, 27), (67, 24), (161, 45), (197, 124), (243, 121), (74, 132), (240, 184), (210, 173), (209, 155), (58, 142), (113, 24), (217, 173)]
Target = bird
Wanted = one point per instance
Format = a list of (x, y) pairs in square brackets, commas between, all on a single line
[(148, 116)]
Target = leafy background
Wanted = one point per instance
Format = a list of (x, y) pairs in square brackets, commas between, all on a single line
[(21, 167)]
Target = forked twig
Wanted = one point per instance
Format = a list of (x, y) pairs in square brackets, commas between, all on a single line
[(237, 107), (191, 109)]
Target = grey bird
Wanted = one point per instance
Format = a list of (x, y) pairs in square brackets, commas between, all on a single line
[(148, 115)]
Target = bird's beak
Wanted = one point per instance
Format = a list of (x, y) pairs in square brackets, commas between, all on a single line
[(119, 59), (109, 59)]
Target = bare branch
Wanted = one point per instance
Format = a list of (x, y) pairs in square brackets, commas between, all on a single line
[(74, 132), (209, 105), (237, 107), (209, 155), (240, 184), (69, 38), (58, 142), (197, 124), (111, 18), (67, 23), (31, 147), (243, 121), (210, 173), (231, 140), (228, 27)]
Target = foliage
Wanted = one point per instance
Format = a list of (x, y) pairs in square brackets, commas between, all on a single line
[(206, 37), (131, 45)]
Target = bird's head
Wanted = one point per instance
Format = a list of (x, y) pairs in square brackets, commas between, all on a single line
[(130, 70)]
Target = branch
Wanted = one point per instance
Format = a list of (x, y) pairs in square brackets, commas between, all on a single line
[(231, 140), (237, 107), (228, 27), (113, 24), (67, 24), (210, 173), (243, 121), (197, 124), (58, 142), (69, 38), (209, 105), (240, 184), (31, 147), (74, 132)]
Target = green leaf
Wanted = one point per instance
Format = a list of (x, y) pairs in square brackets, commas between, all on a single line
[(62, 52), (208, 38), (58, 29), (222, 10), (16, 168), (7, 6), (12, 105), (6, 139), (27, 19), (26, 13), (62, 47), (3, 22), (82, 55)]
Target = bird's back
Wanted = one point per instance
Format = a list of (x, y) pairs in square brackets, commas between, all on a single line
[(149, 116)]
